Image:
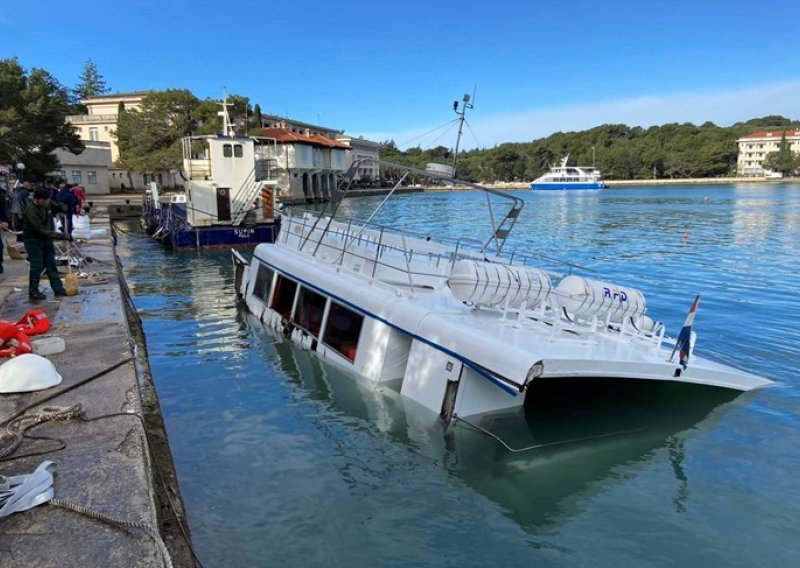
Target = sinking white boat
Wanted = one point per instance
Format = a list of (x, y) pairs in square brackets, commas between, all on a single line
[(462, 330)]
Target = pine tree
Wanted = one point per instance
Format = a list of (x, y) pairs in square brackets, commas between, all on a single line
[(33, 111), (257, 116), (784, 160), (90, 82)]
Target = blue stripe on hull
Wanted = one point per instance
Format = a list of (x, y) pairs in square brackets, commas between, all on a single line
[(566, 186)]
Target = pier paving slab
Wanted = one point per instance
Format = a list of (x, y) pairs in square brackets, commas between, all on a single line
[(105, 465)]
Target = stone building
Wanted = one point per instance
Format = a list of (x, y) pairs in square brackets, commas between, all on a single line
[(89, 169), (362, 149), (100, 125)]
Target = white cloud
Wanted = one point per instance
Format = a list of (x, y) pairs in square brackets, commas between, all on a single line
[(722, 108)]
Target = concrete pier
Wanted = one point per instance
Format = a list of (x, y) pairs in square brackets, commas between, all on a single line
[(112, 466)]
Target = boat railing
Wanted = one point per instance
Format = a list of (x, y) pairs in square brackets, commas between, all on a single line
[(382, 253), (403, 257)]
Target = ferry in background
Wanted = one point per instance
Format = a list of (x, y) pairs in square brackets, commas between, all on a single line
[(569, 177)]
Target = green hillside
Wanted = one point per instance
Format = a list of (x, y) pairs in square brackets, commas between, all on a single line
[(621, 152)]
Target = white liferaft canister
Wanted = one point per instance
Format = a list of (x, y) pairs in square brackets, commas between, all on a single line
[(585, 298), (493, 284)]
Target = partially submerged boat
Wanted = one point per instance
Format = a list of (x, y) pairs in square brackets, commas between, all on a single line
[(564, 177), (461, 327)]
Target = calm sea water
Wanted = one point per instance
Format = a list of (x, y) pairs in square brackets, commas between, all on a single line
[(286, 461)]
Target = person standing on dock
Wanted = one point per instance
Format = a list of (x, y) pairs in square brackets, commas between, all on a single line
[(38, 235), (20, 200), (70, 201), (3, 227)]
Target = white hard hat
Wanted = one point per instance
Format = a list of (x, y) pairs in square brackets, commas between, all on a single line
[(28, 373)]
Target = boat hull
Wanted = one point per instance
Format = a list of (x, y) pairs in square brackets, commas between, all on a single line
[(205, 238), (168, 223), (586, 186)]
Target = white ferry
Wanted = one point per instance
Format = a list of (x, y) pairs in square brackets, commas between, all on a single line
[(569, 177), (461, 327)]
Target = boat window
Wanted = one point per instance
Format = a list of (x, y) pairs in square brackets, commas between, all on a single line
[(342, 330), (227, 150), (283, 298), (237, 150), (263, 283), (310, 307)]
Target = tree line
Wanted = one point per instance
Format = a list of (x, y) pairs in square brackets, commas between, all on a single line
[(34, 107), (619, 151)]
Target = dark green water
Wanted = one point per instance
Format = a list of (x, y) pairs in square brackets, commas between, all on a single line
[(285, 461)]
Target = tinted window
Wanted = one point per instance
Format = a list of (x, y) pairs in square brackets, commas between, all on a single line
[(227, 150), (237, 151), (283, 298), (310, 307), (342, 330), (263, 283)]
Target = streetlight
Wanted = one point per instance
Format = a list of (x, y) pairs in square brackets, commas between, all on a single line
[(20, 167)]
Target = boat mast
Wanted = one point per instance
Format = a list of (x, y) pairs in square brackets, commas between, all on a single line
[(227, 126), (467, 104)]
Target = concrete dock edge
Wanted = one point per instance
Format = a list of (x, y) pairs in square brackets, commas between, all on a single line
[(117, 466)]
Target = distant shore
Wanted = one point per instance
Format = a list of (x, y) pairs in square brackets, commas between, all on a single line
[(630, 183), (652, 182)]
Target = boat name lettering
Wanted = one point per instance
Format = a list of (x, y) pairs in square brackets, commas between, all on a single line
[(244, 233), (615, 294)]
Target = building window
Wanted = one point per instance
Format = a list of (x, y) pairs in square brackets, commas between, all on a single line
[(227, 150), (94, 133), (76, 176), (62, 175), (91, 177), (237, 151)]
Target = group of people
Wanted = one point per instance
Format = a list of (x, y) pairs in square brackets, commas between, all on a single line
[(69, 195), (30, 214)]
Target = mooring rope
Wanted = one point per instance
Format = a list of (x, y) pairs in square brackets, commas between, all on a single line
[(15, 429), (144, 527), (544, 445)]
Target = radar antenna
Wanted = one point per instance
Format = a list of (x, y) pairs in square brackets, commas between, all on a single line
[(467, 103)]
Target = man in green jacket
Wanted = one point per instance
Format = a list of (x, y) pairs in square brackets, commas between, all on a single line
[(38, 235)]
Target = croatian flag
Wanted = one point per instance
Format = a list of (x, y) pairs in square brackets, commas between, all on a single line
[(683, 344)]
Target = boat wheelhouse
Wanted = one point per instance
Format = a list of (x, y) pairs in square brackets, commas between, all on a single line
[(566, 177), (461, 327)]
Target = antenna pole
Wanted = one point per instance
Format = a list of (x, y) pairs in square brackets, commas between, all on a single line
[(227, 127), (466, 104)]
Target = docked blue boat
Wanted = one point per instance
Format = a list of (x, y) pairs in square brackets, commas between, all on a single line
[(565, 177), (228, 198)]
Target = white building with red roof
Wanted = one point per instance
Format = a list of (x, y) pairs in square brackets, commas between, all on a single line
[(754, 149), (307, 163)]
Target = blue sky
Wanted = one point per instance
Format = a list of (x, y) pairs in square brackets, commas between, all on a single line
[(392, 69)]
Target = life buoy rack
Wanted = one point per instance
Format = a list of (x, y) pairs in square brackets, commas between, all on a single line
[(15, 336)]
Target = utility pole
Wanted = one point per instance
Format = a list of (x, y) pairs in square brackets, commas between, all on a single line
[(466, 104)]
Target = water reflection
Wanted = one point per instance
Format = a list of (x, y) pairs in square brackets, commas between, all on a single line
[(589, 434)]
